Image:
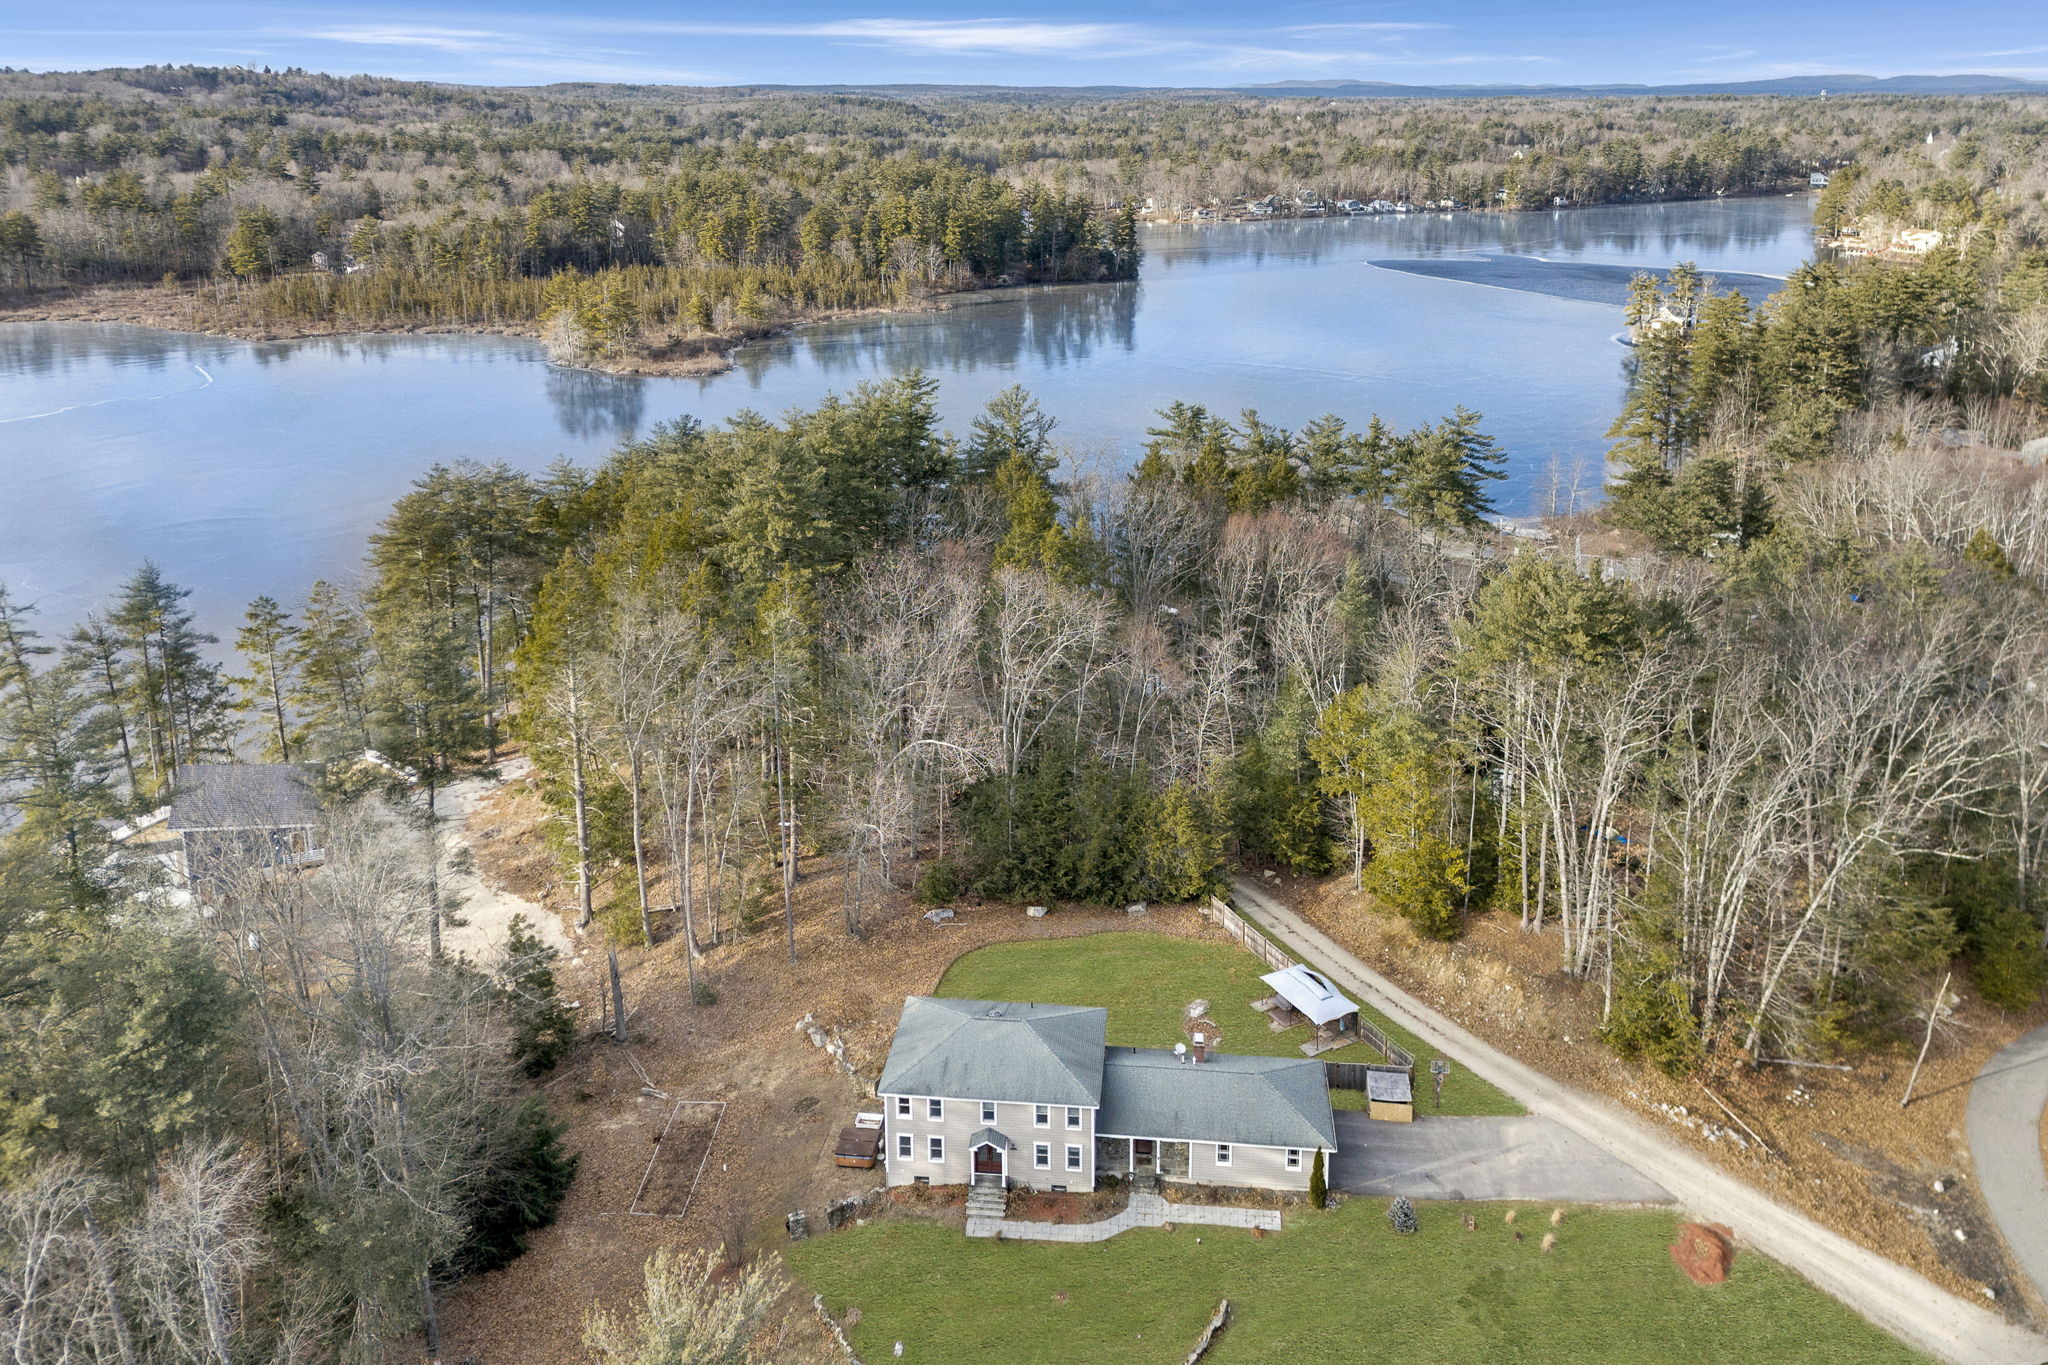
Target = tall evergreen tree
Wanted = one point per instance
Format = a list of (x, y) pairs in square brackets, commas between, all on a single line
[(178, 699), (1011, 425), (266, 641), (426, 710), (329, 663)]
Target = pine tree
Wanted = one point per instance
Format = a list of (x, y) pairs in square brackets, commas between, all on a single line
[(1318, 1183), (1011, 425), (1657, 426), (1184, 848), (426, 711), (329, 663), (542, 1028), (178, 699), (1441, 472), (266, 641)]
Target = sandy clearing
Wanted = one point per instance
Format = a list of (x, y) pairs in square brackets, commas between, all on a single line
[(485, 912)]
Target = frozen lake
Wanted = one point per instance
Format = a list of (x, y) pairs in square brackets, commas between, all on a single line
[(246, 468)]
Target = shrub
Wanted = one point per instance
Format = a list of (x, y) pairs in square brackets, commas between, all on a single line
[(1401, 1214), (541, 1025), (939, 883), (1652, 1017), (523, 1187), (2010, 968), (1318, 1186)]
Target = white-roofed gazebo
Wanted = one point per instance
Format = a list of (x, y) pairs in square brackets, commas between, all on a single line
[(1306, 993)]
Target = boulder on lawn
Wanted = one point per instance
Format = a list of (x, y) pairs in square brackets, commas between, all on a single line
[(1138, 909), (1035, 911), (938, 916), (1704, 1251)]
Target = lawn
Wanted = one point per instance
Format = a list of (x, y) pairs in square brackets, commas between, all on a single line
[(1146, 980), (1333, 1288)]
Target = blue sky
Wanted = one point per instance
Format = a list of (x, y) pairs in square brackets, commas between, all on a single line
[(1042, 42)]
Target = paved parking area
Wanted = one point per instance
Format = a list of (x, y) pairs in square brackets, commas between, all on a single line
[(1526, 1157)]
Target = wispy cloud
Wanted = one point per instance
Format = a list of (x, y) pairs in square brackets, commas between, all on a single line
[(566, 49), (1389, 28), (1016, 37), (512, 55)]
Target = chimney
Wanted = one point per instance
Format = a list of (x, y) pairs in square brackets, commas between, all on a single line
[(1201, 1048)]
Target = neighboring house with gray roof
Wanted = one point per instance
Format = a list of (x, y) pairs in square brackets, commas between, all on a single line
[(988, 1091), (232, 817)]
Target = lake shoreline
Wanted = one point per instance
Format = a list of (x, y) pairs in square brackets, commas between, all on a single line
[(165, 310), (174, 308)]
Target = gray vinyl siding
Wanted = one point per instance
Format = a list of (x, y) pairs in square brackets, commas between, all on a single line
[(958, 1124), (1263, 1168)]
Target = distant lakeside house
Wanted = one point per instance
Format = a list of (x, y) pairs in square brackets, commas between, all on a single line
[(1016, 1094)]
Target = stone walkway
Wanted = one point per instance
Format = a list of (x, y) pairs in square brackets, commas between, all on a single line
[(1145, 1211)]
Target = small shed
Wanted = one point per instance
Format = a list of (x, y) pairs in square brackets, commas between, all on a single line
[(1390, 1094)]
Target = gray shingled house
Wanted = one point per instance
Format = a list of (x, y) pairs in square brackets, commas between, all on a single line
[(234, 816), (998, 1092)]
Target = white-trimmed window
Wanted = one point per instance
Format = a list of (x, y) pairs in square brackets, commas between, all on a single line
[(903, 1145), (1294, 1158), (1222, 1154), (1041, 1117), (1073, 1117), (988, 1111), (935, 1148), (935, 1109), (1073, 1157), (903, 1106), (1041, 1156)]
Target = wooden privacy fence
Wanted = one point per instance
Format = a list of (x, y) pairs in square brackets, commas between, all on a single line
[(1270, 953), (1352, 1075), (1246, 933)]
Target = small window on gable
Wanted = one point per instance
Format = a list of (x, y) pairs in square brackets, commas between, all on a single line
[(903, 1106), (1222, 1154), (1041, 1156), (937, 1150), (935, 1109), (903, 1145), (1073, 1117), (1041, 1117), (1073, 1157), (1294, 1158), (988, 1111)]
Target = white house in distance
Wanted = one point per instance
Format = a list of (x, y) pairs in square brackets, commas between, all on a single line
[(1013, 1094)]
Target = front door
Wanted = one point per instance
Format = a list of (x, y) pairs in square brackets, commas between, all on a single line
[(987, 1160), (1141, 1153)]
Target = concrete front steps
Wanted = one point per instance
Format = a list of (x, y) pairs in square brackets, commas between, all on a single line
[(986, 1207)]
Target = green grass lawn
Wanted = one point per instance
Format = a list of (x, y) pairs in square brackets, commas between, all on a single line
[(1146, 980), (1333, 1288)]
